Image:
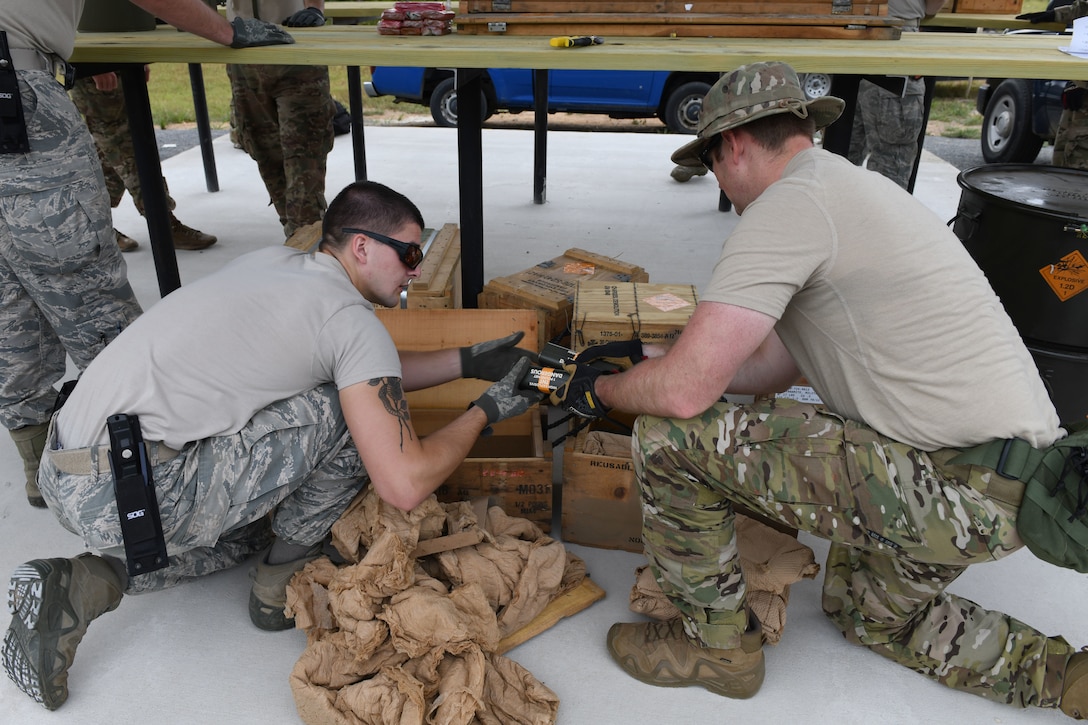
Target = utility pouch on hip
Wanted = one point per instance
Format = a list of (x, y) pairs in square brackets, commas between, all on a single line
[(13, 139), (1073, 97), (145, 548)]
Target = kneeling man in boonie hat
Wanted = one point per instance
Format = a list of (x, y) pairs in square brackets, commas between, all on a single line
[(837, 274)]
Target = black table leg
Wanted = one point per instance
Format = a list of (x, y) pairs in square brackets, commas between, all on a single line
[(142, 127), (203, 127), (355, 100), (471, 181), (540, 135)]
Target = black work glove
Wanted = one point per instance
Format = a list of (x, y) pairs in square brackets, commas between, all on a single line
[(578, 396), (505, 399), (1043, 16), (620, 355), (305, 18), (251, 33), (491, 360)]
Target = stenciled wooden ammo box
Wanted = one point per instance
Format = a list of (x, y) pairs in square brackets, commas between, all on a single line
[(513, 465), (549, 287), (608, 312)]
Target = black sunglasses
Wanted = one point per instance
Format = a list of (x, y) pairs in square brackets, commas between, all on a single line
[(410, 253), (706, 156)]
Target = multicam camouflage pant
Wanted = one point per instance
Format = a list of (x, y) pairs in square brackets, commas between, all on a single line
[(886, 128), (294, 460), (107, 120), (903, 524), (63, 284), (1071, 139), (283, 116)]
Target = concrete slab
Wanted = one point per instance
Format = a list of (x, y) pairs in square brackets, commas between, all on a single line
[(190, 654)]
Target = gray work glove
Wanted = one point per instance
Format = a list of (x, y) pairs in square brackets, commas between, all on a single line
[(305, 18), (251, 33), (505, 399), (491, 360), (1044, 16)]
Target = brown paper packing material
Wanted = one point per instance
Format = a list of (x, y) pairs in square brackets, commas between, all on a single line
[(393, 638), (771, 561)]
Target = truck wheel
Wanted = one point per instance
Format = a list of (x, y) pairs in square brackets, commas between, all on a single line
[(684, 106), (444, 104), (1007, 136)]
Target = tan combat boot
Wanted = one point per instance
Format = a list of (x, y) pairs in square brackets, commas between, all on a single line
[(684, 173), (661, 654), (1075, 694), (186, 237), (30, 442), (125, 242), (52, 601), (268, 597)]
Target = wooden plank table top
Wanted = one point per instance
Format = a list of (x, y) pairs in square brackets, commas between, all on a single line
[(934, 54), (984, 20)]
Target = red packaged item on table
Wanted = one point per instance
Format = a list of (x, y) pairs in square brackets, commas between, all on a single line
[(431, 30), (390, 14)]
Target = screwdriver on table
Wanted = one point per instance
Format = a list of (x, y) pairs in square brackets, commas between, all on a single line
[(568, 41)]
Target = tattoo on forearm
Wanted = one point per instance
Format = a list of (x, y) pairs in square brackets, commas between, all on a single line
[(391, 394)]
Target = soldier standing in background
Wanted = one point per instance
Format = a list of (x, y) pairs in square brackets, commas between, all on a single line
[(102, 102), (284, 116)]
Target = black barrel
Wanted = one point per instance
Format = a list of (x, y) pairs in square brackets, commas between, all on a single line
[(1065, 375), (1026, 227)]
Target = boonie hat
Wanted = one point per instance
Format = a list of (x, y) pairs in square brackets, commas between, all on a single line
[(754, 91)]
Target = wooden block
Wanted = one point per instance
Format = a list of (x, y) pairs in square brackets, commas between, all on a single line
[(565, 605), (549, 287), (439, 283), (601, 506), (997, 7), (305, 238), (607, 312)]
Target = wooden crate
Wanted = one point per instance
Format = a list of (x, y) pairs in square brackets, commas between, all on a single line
[(439, 283), (601, 506), (549, 287), (982, 7), (850, 19), (611, 311), (512, 466)]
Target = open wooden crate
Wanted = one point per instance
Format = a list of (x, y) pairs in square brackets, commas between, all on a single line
[(513, 466)]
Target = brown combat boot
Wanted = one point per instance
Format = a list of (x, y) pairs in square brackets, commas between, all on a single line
[(125, 242), (661, 654), (30, 442), (268, 597), (186, 237), (1075, 694), (52, 601)]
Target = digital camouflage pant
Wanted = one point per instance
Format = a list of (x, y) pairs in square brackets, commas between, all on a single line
[(63, 284), (107, 121), (294, 460), (902, 523), (283, 116), (886, 129)]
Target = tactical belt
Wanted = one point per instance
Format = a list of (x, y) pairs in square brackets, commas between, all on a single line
[(1010, 459), (82, 462), (30, 59)]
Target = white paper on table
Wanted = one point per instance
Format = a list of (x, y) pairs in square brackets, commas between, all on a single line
[(1078, 45)]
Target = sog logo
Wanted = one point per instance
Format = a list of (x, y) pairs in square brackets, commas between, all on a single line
[(6, 96), (137, 514)]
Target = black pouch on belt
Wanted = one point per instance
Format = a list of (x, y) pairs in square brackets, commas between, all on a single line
[(1073, 97), (141, 528), (13, 139)]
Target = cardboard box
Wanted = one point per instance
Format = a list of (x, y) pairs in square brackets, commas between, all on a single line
[(439, 283), (550, 286), (513, 466), (607, 312)]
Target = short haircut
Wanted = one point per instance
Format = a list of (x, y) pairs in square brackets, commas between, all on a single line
[(772, 132), (367, 205)]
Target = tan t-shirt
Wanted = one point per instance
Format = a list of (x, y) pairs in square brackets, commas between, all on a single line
[(270, 325), (883, 309), (46, 26)]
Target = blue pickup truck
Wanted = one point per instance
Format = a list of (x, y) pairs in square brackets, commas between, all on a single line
[(674, 97)]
